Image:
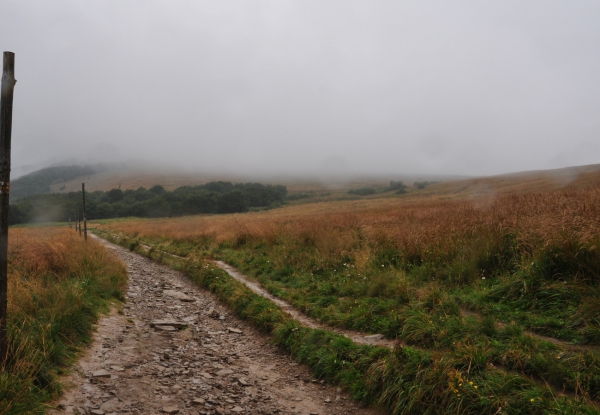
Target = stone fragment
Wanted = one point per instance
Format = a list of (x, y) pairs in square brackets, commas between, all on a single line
[(170, 410), (101, 374), (165, 328), (178, 295), (110, 405), (243, 382), (117, 368), (374, 338), (234, 330), (214, 313), (237, 409), (206, 375), (224, 372), (169, 322), (198, 401), (97, 412)]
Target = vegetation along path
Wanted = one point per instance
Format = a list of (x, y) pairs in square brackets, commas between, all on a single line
[(176, 349), (356, 336)]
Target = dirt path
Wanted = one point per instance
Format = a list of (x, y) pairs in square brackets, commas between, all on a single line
[(176, 349), (357, 337)]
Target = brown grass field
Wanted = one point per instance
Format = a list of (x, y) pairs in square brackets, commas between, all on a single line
[(411, 223)]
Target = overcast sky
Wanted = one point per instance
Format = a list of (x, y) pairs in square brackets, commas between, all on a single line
[(461, 87)]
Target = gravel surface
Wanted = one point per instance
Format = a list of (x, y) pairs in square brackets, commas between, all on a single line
[(176, 349)]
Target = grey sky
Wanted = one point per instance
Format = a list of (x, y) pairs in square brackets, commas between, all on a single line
[(463, 87)]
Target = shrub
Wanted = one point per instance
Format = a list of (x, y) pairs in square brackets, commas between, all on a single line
[(363, 191)]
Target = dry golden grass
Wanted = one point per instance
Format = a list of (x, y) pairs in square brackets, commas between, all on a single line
[(56, 286), (412, 223)]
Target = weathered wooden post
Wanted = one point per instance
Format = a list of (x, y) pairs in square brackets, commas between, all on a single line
[(84, 220), (79, 221), (6, 105)]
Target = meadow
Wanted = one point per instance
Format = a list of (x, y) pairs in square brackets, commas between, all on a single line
[(57, 287), (494, 301)]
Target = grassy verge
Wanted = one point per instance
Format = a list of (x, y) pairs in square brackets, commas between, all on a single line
[(456, 379), (57, 287)]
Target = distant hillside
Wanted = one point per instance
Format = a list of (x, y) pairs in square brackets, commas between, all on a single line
[(567, 178), (309, 189), (41, 181)]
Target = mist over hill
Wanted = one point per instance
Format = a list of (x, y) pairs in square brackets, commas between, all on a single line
[(40, 181)]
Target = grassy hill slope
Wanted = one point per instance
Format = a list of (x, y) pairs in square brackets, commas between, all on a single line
[(43, 181)]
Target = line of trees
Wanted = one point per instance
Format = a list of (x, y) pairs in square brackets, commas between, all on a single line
[(213, 197)]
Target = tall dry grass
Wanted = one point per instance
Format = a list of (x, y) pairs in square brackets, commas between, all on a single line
[(415, 227), (57, 285)]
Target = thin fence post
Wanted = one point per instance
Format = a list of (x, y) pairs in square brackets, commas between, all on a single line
[(6, 105), (79, 221), (84, 219)]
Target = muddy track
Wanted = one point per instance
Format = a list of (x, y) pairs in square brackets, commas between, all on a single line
[(176, 349), (560, 343)]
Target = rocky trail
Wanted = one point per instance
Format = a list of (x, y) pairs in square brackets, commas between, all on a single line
[(176, 350)]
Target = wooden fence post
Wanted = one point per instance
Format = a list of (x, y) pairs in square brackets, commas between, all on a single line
[(84, 219), (79, 221), (6, 105)]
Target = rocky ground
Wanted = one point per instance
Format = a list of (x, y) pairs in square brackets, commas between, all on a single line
[(176, 349)]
